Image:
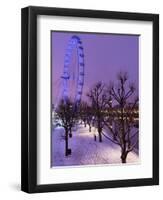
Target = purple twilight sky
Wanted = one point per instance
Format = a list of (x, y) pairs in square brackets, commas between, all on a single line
[(105, 55)]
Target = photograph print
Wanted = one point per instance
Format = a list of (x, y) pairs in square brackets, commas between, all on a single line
[(94, 99)]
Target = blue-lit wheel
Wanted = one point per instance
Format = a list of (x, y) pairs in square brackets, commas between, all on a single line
[(75, 44)]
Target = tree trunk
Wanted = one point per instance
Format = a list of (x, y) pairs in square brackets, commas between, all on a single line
[(66, 142), (94, 137), (89, 128), (124, 153), (100, 137), (100, 133), (70, 133), (123, 160), (123, 157)]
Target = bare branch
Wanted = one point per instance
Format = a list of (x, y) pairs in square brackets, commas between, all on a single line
[(131, 148), (115, 142), (134, 135)]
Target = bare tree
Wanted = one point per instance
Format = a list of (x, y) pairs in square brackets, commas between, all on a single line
[(89, 113), (86, 114), (122, 114), (98, 98), (65, 112), (83, 112)]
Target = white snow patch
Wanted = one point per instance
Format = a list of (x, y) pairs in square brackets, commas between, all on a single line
[(86, 151)]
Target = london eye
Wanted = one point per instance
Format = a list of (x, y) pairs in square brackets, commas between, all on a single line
[(73, 71)]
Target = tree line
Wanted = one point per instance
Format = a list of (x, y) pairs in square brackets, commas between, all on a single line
[(112, 109)]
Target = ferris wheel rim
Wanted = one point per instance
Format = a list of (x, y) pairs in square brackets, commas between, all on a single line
[(74, 43)]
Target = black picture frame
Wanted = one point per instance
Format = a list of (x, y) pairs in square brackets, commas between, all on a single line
[(29, 99)]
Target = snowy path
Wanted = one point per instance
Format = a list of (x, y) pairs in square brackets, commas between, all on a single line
[(85, 151)]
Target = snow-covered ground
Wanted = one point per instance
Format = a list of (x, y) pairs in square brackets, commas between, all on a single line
[(85, 151)]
